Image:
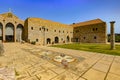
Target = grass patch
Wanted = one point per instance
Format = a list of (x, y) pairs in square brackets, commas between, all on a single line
[(99, 48)]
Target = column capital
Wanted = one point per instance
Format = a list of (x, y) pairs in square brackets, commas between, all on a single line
[(112, 22)]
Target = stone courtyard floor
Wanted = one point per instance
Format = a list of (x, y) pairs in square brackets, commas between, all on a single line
[(27, 62)]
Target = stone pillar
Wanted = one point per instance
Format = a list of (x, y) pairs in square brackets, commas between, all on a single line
[(14, 33), (112, 35), (4, 33)]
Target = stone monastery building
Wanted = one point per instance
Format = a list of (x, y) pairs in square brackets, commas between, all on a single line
[(43, 32)]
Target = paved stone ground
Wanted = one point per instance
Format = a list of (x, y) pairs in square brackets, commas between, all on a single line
[(23, 62)]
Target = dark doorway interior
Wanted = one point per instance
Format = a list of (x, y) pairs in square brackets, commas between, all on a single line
[(9, 32), (48, 41), (9, 38), (1, 38), (56, 40), (68, 39)]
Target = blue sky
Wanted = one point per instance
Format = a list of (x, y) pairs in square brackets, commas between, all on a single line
[(66, 11)]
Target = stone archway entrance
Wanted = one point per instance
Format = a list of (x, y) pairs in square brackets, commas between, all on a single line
[(48, 41), (19, 33), (56, 40), (1, 32), (9, 32)]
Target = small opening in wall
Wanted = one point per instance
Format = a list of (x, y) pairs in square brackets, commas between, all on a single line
[(40, 29), (3, 20), (37, 40), (15, 22), (54, 30), (93, 29), (84, 37), (96, 29), (95, 37), (31, 28)]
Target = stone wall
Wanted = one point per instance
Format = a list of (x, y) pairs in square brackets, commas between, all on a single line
[(44, 32), (94, 33)]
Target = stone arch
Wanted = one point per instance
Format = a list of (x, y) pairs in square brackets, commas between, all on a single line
[(56, 40), (9, 32), (48, 41), (68, 39), (1, 31), (19, 32)]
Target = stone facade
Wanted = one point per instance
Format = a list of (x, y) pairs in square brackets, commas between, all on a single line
[(44, 32), (93, 31), (10, 27), (47, 32)]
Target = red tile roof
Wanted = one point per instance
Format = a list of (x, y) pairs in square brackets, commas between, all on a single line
[(95, 21)]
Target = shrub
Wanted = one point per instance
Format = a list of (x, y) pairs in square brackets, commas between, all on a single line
[(33, 42)]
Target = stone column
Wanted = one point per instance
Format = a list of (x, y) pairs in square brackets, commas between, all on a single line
[(15, 33), (112, 35), (3, 33)]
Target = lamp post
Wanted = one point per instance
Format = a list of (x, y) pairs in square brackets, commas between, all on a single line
[(43, 27)]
